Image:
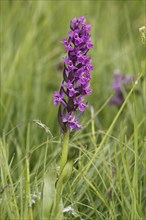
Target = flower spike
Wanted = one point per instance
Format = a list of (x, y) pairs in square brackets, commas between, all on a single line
[(76, 75)]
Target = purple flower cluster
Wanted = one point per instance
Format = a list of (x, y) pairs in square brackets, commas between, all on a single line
[(76, 75), (120, 82)]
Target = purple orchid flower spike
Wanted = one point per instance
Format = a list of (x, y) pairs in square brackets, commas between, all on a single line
[(121, 82), (76, 75)]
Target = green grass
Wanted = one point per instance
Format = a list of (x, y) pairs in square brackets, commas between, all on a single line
[(108, 181)]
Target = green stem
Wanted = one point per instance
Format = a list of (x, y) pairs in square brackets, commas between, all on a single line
[(60, 183), (64, 151)]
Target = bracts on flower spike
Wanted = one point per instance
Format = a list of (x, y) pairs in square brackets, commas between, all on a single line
[(76, 76)]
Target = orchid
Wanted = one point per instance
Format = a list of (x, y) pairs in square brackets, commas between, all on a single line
[(76, 75)]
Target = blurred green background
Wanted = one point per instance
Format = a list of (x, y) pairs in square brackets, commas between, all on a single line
[(31, 70), (31, 57)]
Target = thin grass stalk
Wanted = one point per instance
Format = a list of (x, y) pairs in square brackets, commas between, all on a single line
[(135, 177), (93, 126), (28, 203), (44, 168), (119, 179)]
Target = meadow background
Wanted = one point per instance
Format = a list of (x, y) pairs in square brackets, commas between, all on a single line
[(114, 186)]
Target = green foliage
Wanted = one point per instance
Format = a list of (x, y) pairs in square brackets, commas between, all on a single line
[(108, 181)]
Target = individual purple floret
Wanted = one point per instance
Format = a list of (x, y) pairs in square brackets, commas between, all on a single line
[(76, 75), (120, 82)]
